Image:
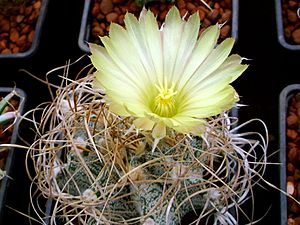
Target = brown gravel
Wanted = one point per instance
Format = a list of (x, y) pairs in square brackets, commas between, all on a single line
[(291, 21), (17, 30), (293, 159), (106, 11)]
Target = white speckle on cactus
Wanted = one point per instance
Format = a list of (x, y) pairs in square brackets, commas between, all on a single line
[(89, 195), (66, 108), (56, 168), (214, 194), (178, 171), (136, 174), (149, 221), (79, 142)]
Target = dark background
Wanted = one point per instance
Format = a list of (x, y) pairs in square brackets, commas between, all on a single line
[(271, 69)]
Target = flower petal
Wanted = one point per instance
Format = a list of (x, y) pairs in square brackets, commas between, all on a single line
[(203, 48), (186, 124), (185, 46), (202, 107), (159, 131), (172, 35), (144, 123), (211, 63), (152, 38), (135, 34), (230, 70), (128, 64), (118, 109)]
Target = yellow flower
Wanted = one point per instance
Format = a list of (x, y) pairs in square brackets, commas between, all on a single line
[(166, 77)]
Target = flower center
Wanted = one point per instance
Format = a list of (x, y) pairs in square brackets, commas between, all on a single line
[(164, 104)]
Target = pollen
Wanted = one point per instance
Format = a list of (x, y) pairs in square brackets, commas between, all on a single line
[(164, 104)]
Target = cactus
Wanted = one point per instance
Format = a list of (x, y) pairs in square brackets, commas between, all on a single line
[(145, 198)]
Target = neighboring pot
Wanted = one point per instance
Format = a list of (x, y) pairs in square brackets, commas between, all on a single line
[(285, 100), (36, 37), (5, 183), (288, 24), (86, 24)]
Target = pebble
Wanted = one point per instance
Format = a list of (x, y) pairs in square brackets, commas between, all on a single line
[(292, 16), (226, 16), (290, 189), (28, 10), (296, 36), (112, 17), (290, 168), (95, 9), (292, 155), (293, 4), (30, 36), (2, 44), (297, 220), (225, 31), (190, 6), (291, 221), (292, 120), (37, 5), (6, 51), (5, 25), (14, 35), (106, 6), (22, 40), (121, 19), (292, 134), (213, 15), (97, 30), (19, 18)]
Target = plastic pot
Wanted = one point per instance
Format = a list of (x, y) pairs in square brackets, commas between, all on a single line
[(85, 28), (36, 38), (280, 29), (5, 183), (285, 97)]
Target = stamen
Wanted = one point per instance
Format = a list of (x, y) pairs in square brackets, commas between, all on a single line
[(164, 104)]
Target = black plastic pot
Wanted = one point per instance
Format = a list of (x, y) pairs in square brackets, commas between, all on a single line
[(280, 29), (85, 27), (11, 155), (285, 97), (36, 39)]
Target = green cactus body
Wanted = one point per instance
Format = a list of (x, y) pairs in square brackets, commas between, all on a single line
[(147, 200), (158, 192), (148, 195), (78, 182)]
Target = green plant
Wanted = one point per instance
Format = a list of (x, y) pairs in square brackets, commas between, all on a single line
[(8, 115)]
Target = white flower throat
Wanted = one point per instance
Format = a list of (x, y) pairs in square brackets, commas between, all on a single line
[(164, 103)]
